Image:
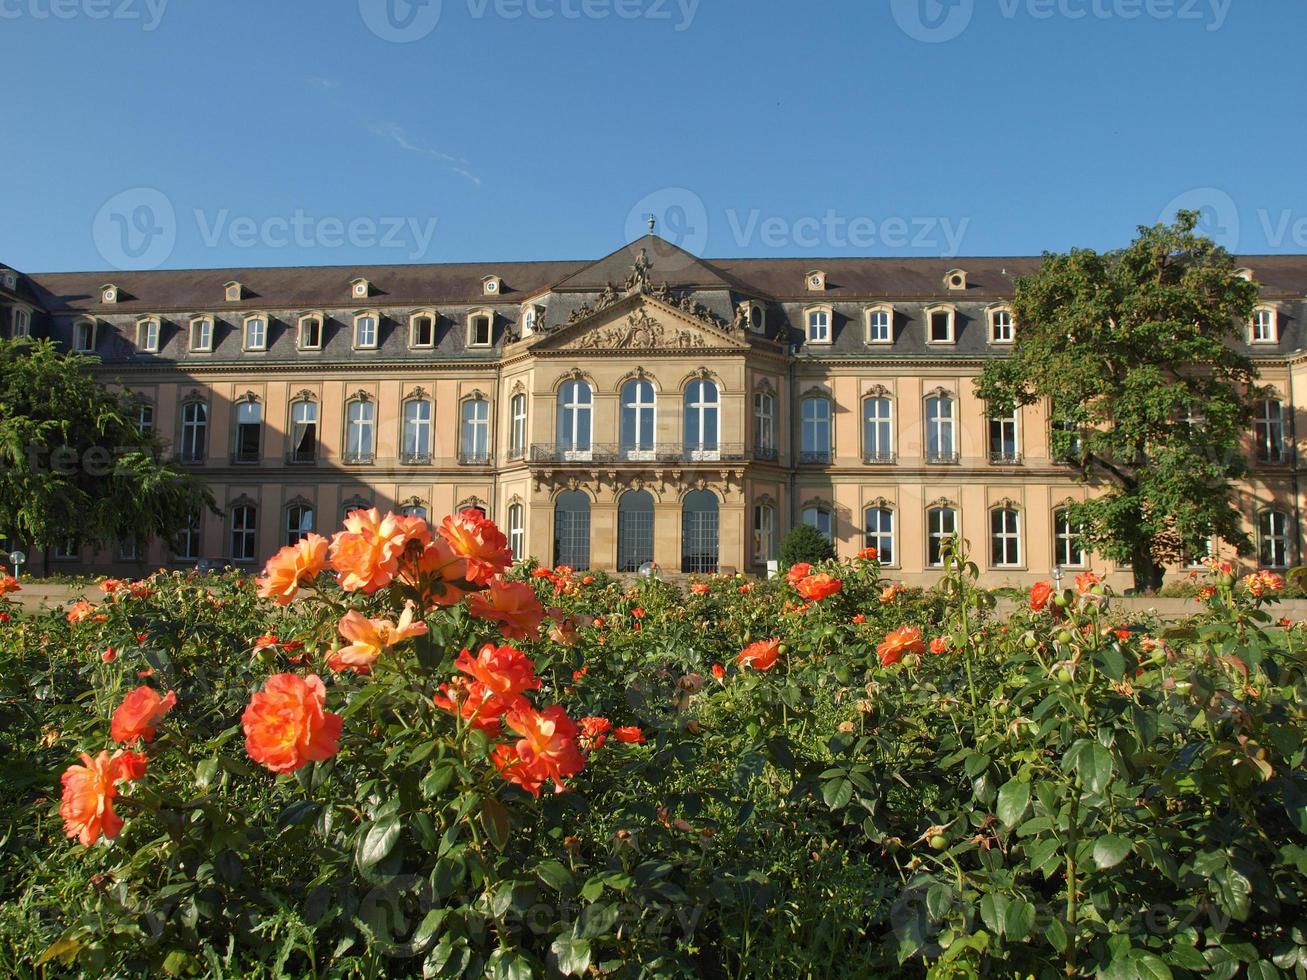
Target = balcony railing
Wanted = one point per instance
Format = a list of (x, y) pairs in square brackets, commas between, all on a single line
[(358, 457), (515, 453), (613, 453), (473, 457), (878, 457), (1003, 457), (244, 459), (1274, 457), (415, 459), (940, 457), (302, 457), (767, 453), (816, 457)]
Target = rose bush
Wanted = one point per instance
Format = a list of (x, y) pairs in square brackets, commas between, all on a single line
[(396, 754)]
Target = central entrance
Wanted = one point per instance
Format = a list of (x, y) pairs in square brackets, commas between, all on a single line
[(635, 530)]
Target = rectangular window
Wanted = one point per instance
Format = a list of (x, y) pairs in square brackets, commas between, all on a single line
[(417, 431), (256, 333), (942, 525), (479, 331), (1065, 441), (764, 533), (249, 428), (877, 431), (1265, 327), (310, 337), (941, 327), (360, 417), (1001, 332), (128, 551), (422, 331), (1269, 431), (1005, 538), (764, 420), (147, 336), (1068, 552), (880, 327), (84, 336), (517, 531), (815, 431), (187, 545), (1003, 440), (22, 323), (303, 432), (819, 326), (365, 332), (880, 533), (517, 432), (66, 550), (201, 335), (1273, 543)]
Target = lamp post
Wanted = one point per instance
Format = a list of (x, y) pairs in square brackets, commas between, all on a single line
[(18, 560), (1057, 577)]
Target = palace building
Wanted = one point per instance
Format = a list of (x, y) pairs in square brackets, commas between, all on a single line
[(648, 406)]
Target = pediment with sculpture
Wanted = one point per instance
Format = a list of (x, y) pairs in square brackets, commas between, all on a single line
[(643, 322)]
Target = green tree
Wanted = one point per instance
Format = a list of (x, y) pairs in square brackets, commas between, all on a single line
[(805, 543), (1134, 351), (73, 461)]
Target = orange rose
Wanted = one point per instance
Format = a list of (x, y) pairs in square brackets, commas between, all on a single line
[(370, 638), (629, 733), (511, 604), (718, 671), (594, 732), (366, 554), (888, 593), (507, 672), (868, 554), (818, 587), (476, 539), (798, 572), (548, 748), (89, 790), (761, 655), (475, 703), (293, 566), (700, 588), (1086, 581), (859, 619), (1040, 593), (287, 725), (8, 584), (80, 611), (905, 640), (939, 645), (140, 714)]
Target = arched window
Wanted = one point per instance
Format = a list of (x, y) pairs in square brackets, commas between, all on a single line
[(637, 435), (941, 444), (815, 444), (878, 523), (1266, 327), (255, 336), (201, 334), (821, 518), (309, 336), (244, 525), (22, 323), (303, 431), (415, 510), (635, 530), (764, 425), (249, 432), (84, 336), (575, 415), (1068, 552), (529, 320), (764, 532), (1269, 431), (1004, 537), (474, 437), (1273, 539), (299, 522), (819, 326), (147, 335), (517, 531), (360, 431), (702, 420), (517, 432), (941, 526), (880, 325), (699, 540), (572, 529), (417, 431), (365, 331), (877, 430), (195, 427), (422, 330), (1001, 326)]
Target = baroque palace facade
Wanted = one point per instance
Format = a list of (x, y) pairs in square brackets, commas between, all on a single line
[(650, 406)]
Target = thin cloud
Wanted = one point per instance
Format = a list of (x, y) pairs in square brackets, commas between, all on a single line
[(397, 135), (326, 84)]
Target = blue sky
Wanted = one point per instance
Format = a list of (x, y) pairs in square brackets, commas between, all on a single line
[(162, 133)]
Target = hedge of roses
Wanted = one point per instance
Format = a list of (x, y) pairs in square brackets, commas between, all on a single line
[(396, 753)]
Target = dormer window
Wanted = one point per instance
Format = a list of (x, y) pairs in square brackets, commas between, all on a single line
[(880, 325), (308, 335), (955, 280), (22, 324), (108, 293), (1002, 328), (939, 324), (492, 286), (234, 292), (819, 324), (10, 280), (255, 333), (201, 334), (360, 288), (1266, 325), (815, 281), (84, 336), (147, 334), (366, 329), (530, 319), (480, 328), (752, 316), (422, 329)]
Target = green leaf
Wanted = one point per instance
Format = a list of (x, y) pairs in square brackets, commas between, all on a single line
[(1150, 967), (1013, 799), (1018, 920), (993, 910), (1233, 893), (573, 955), (837, 793), (205, 771), (1095, 767), (494, 818), (1110, 850), (556, 875), (378, 842)]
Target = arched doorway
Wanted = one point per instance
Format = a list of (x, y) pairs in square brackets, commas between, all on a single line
[(572, 529), (635, 530), (699, 539)]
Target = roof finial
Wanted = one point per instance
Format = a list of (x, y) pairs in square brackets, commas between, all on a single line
[(652, 222)]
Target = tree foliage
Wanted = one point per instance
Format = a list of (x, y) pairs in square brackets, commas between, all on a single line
[(73, 461), (1134, 350), (805, 543)]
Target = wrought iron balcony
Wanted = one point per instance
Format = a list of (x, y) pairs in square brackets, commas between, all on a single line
[(767, 453), (515, 453), (245, 458), (358, 457), (1003, 457), (473, 457), (879, 457), (940, 457), (816, 457), (302, 457), (614, 453), (415, 459)]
